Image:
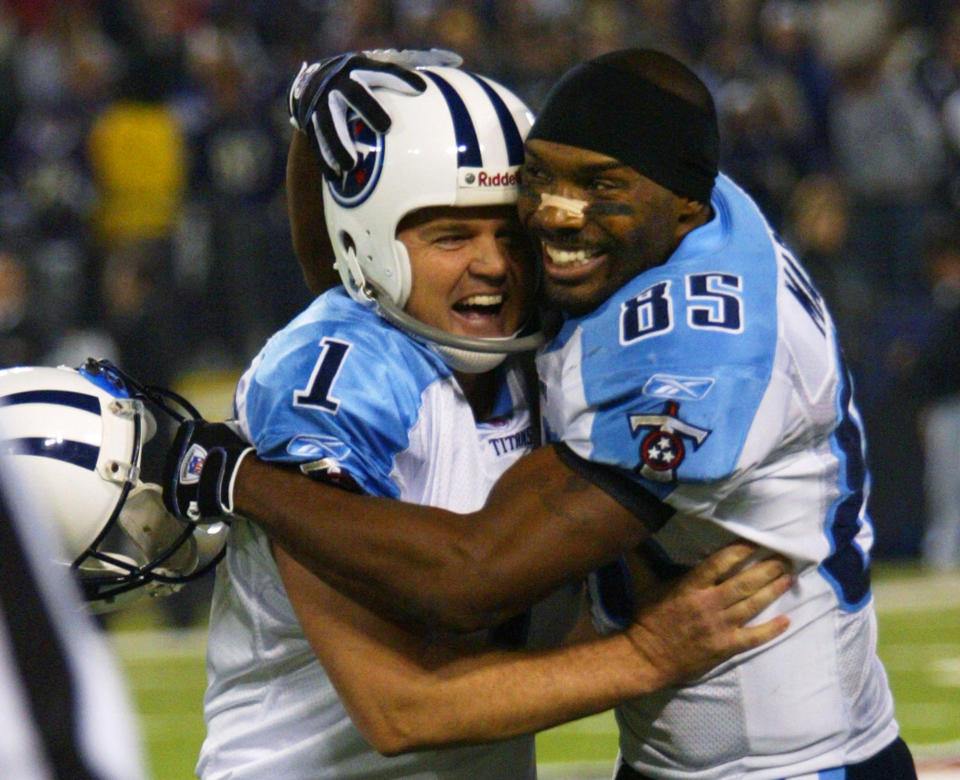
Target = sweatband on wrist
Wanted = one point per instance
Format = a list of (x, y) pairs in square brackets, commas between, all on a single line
[(624, 116)]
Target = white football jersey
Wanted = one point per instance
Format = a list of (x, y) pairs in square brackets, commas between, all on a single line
[(339, 383), (714, 385)]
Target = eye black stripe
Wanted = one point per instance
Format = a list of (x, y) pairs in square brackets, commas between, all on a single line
[(76, 452), (511, 133), (468, 147), (83, 401)]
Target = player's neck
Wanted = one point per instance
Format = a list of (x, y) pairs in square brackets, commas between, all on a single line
[(480, 390)]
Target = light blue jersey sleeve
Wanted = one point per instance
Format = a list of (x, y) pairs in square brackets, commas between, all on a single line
[(664, 380), (340, 384)]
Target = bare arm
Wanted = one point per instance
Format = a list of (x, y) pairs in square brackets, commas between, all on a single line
[(542, 526), (405, 692), (311, 243)]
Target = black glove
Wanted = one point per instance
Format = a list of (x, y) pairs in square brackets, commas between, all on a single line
[(324, 91), (200, 469)]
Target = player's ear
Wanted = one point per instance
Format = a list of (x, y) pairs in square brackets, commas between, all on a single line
[(691, 214), (308, 230)]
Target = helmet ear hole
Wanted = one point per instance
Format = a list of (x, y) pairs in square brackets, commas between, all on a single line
[(346, 241), (348, 266)]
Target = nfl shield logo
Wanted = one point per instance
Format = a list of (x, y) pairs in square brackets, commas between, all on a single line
[(192, 465), (195, 465)]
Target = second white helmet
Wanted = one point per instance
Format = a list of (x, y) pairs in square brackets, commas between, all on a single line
[(71, 443)]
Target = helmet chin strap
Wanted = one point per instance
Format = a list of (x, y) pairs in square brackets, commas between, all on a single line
[(501, 346)]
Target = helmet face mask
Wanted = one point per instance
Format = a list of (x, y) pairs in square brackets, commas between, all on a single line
[(459, 143), (73, 441)]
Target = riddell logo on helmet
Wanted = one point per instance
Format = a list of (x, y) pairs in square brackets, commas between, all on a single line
[(482, 178)]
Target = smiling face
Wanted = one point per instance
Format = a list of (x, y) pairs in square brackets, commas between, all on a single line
[(598, 221), (472, 269)]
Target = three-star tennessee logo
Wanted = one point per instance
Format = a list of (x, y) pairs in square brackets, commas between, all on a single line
[(662, 448)]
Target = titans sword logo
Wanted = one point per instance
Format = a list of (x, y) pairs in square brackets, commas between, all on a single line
[(662, 448)]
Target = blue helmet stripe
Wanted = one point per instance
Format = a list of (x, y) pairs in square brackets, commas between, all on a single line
[(82, 401), (511, 133), (76, 452), (468, 147)]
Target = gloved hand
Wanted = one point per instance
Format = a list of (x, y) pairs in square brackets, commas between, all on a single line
[(322, 93), (200, 469)]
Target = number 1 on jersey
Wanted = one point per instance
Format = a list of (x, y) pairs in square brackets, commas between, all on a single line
[(318, 390)]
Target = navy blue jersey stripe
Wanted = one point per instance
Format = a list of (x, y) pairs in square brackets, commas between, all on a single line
[(88, 403), (511, 133), (468, 147), (76, 452), (847, 567)]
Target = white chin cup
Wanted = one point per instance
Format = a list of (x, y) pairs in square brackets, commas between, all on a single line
[(467, 361)]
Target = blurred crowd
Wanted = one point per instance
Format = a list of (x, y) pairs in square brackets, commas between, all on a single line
[(143, 145)]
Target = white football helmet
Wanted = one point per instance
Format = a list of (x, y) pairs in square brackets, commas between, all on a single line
[(72, 439), (459, 143)]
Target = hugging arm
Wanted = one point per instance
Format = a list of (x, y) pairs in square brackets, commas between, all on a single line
[(406, 691), (542, 526)]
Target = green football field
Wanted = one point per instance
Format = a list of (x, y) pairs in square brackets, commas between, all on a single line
[(919, 642)]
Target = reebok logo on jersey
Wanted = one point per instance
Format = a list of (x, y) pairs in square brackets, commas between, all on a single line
[(689, 388), (662, 448), (314, 446)]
